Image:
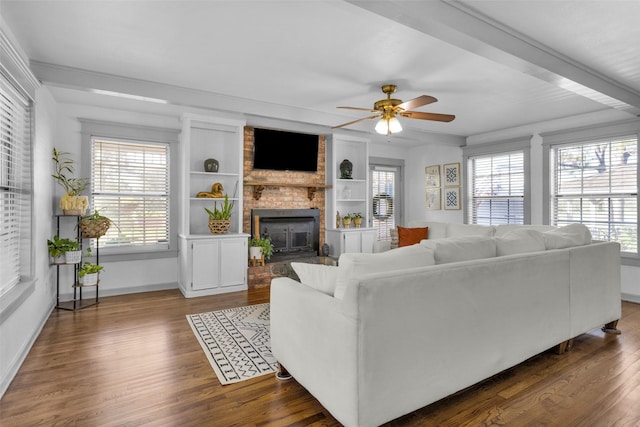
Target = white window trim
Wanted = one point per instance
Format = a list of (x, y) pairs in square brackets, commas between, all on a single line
[(585, 135), (19, 75), (501, 147), (103, 129)]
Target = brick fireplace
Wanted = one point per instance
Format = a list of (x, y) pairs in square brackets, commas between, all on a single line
[(281, 197)]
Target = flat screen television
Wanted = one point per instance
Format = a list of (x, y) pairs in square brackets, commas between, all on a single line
[(284, 151)]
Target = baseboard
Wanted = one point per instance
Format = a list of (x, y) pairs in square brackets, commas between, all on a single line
[(631, 298), (14, 367), (106, 292)]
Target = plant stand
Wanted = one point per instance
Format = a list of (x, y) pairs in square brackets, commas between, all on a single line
[(257, 261), (78, 302)]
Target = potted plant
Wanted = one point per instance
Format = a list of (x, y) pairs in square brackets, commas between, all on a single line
[(357, 219), (58, 247), (72, 203), (346, 220), (220, 219), (89, 273), (73, 254), (259, 247), (94, 225)]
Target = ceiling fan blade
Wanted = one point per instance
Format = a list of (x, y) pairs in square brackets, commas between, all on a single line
[(417, 102), (356, 121), (358, 109), (428, 116)]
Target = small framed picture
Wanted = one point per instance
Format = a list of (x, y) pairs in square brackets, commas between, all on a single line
[(432, 176), (451, 175), (433, 198), (452, 198)]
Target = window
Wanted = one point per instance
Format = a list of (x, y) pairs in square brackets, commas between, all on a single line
[(15, 187), (385, 197), (496, 188), (130, 185), (596, 183)]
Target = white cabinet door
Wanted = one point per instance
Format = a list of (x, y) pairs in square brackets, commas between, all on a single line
[(233, 261), (204, 264), (367, 240), (351, 242)]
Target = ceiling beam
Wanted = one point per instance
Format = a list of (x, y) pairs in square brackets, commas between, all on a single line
[(460, 25)]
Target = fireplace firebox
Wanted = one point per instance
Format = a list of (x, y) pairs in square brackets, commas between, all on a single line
[(294, 233)]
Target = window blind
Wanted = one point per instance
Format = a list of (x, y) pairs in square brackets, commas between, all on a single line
[(130, 185), (596, 184), (15, 186), (496, 189)]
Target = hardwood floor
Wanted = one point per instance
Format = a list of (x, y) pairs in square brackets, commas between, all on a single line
[(133, 361)]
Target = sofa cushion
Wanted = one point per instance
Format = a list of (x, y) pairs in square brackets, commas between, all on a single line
[(518, 241), (503, 229), (459, 230), (411, 236), (353, 265), (437, 230), (567, 236), (318, 276), (464, 248)]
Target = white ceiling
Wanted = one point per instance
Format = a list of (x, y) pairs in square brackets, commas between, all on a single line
[(494, 64)]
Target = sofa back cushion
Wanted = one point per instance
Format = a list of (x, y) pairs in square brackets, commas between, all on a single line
[(518, 241), (465, 248), (503, 229), (460, 230), (437, 230), (318, 276), (353, 265), (567, 236)]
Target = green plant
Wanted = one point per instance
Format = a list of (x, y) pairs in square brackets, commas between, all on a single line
[(264, 244), (347, 217), (58, 246), (356, 215), (95, 223), (88, 267), (64, 167), (224, 212)]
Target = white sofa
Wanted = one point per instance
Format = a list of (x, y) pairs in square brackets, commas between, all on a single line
[(384, 334)]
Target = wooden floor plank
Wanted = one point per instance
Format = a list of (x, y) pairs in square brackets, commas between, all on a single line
[(134, 361)]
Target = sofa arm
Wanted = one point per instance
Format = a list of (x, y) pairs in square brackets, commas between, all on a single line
[(381, 246), (316, 342)]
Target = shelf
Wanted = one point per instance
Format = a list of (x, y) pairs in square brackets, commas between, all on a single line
[(211, 199), (76, 304), (259, 186), (350, 200), (214, 173)]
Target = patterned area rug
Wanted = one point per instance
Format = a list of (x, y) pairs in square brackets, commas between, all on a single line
[(236, 341)]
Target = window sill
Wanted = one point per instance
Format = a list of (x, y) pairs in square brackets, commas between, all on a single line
[(108, 256), (632, 260), (14, 298)]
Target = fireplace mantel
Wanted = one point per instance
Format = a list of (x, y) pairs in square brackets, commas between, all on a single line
[(259, 186)]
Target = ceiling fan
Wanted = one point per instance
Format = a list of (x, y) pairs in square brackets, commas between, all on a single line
[(388, 109)]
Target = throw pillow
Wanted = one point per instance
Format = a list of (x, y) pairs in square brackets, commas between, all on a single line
[(393, 233), (518, 241), (353, 265), (411, 236), (318, 276)]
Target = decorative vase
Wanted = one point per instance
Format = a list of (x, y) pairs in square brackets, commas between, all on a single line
[(357, 222), (72, 257), (211, 165), (88, 279), (219, 226), (346, 222)]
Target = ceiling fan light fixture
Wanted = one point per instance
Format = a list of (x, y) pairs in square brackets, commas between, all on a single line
[(388, 125)]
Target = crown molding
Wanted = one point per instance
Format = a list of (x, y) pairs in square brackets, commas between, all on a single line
[(16, 69)]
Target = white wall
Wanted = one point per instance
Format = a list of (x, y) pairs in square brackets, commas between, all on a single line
[(20, 329)]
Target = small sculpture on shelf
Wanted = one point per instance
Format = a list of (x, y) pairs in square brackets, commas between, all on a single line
[(215, 193), (346, 168)]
